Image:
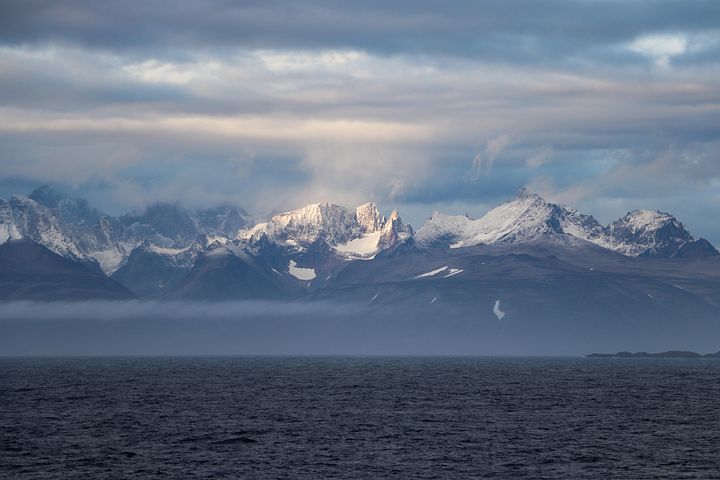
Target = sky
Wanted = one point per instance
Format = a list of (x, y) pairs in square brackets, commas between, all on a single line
[(419, 105)]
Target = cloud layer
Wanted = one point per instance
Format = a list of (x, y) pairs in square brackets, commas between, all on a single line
[(608, 105)]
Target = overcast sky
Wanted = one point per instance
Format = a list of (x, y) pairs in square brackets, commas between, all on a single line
[(418, 105)]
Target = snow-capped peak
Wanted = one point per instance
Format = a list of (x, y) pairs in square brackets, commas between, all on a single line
[(368, 218), (648, 233), (646, 220), (529, 217), (358, 234), (306, 225)]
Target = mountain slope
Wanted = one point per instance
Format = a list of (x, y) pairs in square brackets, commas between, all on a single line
[(29, 271), (151, 271), (561, 297), (221, 274), (72, 228)]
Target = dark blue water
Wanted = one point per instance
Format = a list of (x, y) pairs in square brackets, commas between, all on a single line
[(370, 418)]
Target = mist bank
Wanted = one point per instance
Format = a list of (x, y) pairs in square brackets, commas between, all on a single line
[(105, 328)]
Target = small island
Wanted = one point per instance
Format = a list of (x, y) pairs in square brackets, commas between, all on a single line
[(668, 354)]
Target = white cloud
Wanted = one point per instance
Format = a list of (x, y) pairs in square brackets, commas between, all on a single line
[(483, 161), (363, 124), (661, 48), (153, 71), (540, 157), (308, 61)]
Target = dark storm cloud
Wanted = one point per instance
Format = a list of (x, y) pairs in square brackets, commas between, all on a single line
[(525, 31)]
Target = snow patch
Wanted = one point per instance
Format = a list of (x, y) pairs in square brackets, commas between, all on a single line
[(363, 247), (212, 239), (299, 272), (453, 271), (109, 260), (496, 310), (171, 251), (433, 273)]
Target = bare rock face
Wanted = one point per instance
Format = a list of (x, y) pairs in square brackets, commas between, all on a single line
[(368, 218), (394, 232)]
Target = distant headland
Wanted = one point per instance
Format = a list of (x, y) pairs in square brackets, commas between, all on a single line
[(669, 354)]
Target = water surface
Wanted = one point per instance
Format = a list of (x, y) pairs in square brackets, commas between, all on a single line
[(332, 417)]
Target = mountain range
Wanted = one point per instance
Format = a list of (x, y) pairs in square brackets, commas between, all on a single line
[(528, 267)]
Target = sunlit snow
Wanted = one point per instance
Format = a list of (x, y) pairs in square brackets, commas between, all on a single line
[(363, 247)]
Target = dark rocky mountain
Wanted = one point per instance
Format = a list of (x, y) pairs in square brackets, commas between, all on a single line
[(170, 224), (543, 294), (151, 271), (220, 274), (73, 210), (223, 220), (167, 224), (29, 271)]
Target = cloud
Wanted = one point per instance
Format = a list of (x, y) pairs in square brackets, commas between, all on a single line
[(540, 157), (275, 104), (483, 161), (530, 32), (660, 47)]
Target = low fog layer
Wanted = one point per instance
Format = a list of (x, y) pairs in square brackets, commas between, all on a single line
[(263, 328)]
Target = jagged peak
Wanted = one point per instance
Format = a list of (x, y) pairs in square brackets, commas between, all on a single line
[(158, 207), (368, 217), (524, 194), (23, 200), (638, 220), (217, 249), (313, 210), (649, 214), (367, 205), (47, 195)]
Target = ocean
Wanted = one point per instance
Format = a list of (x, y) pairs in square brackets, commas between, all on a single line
[(359, 417)]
